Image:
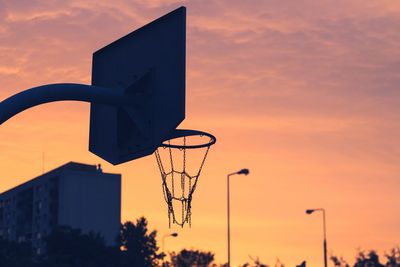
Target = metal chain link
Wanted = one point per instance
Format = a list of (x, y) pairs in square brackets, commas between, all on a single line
[(172, 168), (170, 196)]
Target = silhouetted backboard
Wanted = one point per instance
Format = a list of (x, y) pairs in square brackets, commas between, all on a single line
[(149, 65)]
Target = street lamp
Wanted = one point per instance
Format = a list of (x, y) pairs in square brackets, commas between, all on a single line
[(309, 211), (163, 243), (245, 172)]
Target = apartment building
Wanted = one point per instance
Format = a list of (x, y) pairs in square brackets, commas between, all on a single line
[(77, 195)]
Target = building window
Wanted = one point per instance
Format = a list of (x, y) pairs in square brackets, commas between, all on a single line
[(39, 205), (39, 188)]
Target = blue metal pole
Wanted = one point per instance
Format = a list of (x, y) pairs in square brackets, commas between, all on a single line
[(60, 92)]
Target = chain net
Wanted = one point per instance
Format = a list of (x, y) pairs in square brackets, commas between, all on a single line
[(180, 177)]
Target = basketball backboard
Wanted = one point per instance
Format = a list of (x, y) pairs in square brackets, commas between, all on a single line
[(149, 66), (137, 101)]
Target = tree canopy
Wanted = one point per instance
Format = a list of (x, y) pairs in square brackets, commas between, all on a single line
[(189, 258), (371, 259), (137, 246), (13, 254)]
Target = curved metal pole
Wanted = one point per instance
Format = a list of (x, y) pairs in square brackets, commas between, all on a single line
[(59, 92)]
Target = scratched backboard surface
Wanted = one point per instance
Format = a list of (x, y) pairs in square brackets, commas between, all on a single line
[(148, 64)]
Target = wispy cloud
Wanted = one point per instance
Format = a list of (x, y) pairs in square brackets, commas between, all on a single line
[(305, 91)]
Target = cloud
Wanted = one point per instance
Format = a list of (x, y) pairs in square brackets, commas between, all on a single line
[(305, 92), (53, 42), (266, 57), (330, 57)]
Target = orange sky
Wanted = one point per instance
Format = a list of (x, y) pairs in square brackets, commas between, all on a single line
[(303, 93)]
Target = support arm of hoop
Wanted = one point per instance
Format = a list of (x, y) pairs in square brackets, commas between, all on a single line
[(60, 92)]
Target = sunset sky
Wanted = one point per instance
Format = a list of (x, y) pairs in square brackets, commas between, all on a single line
[(304, 93)]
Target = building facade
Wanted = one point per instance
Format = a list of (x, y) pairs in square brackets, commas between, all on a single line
[(76, 195)]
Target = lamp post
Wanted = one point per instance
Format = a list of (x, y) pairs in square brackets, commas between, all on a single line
[(309, 211), (163, 243), (245, 172)]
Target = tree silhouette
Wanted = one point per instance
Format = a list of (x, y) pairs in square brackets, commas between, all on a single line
[(256, 263), (70, 247), (67, 247), (393, 258), (189, 258), (368, 260), (139, 248), (13, 254), (371, 259), (339, 262)]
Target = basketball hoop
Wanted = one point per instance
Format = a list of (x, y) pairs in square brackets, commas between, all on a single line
[(178, 180)]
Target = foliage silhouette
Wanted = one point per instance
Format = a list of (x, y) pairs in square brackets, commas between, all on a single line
[(393, 258), (256, 263), (189, 258), (139, 248), (13, 254), (136, 246), (67, 247), (70, 247), (339, 262), (370, 259)]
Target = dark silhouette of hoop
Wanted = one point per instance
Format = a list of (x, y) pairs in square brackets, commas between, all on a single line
[(179, 133), (182, 194)]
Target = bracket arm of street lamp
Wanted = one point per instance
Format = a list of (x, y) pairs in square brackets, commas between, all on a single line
[(61, 92)]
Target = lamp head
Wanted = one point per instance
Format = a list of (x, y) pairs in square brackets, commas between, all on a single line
[(309, 211), (244, 171), (174, 234)]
